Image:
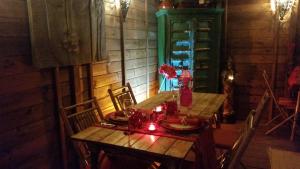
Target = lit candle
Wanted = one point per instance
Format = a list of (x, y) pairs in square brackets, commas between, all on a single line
[(152, 127), (230, 77), (158, 108)]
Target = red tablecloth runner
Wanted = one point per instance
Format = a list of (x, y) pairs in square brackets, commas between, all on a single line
[(160, 131)]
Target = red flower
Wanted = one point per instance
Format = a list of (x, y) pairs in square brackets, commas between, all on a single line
[(168, 71)]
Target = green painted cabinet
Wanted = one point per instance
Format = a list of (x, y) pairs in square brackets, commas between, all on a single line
[(190, 39)]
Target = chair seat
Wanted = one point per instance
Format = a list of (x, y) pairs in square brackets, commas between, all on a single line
[(287, 103), (237, 127), (225, 138)]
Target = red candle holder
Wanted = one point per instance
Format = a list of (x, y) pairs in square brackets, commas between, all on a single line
[(171, 107), (152, 126), (158, 109)]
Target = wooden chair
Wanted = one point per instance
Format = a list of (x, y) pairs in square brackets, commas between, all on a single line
[(228, 160), (281, 105), (295, 116), (83, 115), (120, 96), (226, 136), (231, 159), (79, 117)]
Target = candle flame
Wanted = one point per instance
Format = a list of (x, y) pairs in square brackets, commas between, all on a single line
[(158, 109), (231, 77), (151, 127)]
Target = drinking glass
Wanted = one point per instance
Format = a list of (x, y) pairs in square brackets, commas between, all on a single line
[(128, 111)]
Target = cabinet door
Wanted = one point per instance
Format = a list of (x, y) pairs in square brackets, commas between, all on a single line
[(206, 57), (180, 45)]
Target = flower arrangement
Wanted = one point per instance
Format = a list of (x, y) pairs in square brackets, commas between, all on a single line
[(168, 71)]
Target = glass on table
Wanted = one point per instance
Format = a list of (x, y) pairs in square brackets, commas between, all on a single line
[(128, 112)]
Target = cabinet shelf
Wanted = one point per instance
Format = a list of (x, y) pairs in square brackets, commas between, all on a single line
[(201, 49), (181, 31), (202, 40), (203, 29), (191, 38)]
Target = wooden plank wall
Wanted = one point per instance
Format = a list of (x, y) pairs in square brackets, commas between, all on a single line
[(28, 126), (107, 74), (251, 40), (297, 37), (29, 135)]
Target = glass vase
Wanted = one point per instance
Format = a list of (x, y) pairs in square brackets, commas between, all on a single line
[(185, 96)]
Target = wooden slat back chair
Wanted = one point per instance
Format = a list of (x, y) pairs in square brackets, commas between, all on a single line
[(121, 96), (248, 131), (226, 136), (79, 117), (232, 159), (297, 110), (282, 113)]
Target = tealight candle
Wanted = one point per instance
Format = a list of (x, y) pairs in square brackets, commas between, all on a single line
[(151, 127), (158, 108)]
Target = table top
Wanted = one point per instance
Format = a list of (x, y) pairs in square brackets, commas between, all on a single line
[(283, 159), (204, 105), (158, 145)]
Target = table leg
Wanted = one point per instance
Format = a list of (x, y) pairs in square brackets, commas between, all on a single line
[(172, 164), (94, 156), (94, 160)]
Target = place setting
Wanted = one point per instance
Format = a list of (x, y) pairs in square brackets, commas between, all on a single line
[(163, 119)]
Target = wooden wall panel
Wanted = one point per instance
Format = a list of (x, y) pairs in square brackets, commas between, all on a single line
[(251, 42), (29, 129), (139, 63), (297, 37)]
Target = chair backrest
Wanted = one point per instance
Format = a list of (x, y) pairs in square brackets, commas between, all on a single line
[(79, 117), (243, 141), (233, 158), (122, 97), (297, 110), (269, 88)]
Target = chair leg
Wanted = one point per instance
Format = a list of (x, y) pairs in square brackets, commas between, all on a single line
[(273, 119), (280, 124), (295, 117), (243, 165)]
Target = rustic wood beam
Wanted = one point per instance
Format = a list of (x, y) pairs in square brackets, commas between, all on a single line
[(122, 49), (61, 124)]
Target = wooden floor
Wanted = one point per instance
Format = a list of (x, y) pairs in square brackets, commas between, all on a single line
[(256, 156)]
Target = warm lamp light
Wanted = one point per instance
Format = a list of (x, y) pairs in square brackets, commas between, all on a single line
[(124, 6), (283, 7), (230, 77), (228, 73)]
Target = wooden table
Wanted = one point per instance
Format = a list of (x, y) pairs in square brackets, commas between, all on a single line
[(283, 159), (168, 150)]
